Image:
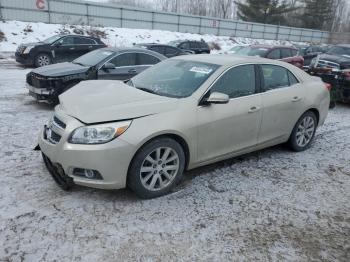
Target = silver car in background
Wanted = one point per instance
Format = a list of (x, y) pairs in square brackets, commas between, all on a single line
[(180, 114)]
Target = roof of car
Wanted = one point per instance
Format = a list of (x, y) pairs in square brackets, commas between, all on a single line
[(272, 46), (226, 60), (132, 49), (344, 45)]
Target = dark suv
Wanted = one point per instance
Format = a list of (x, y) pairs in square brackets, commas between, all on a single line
[(198, 47), (58, 48), (166, 50), (334, 68)]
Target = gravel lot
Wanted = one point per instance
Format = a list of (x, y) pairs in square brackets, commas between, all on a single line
[(271, 205)]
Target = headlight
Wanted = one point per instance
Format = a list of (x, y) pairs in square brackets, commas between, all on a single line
[(98, 134), (27, 49)]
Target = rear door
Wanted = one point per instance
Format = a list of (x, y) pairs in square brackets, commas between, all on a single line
[(84, 45), (65, 49), (125, 67), (282, 100), (171, 51)]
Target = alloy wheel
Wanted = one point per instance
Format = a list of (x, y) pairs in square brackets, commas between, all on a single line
[(159, 168), (305, 131), (43, 60)]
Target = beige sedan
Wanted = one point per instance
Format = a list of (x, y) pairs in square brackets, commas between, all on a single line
[(182, 113)]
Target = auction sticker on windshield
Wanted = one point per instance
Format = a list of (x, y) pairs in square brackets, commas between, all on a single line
[(202, 70)]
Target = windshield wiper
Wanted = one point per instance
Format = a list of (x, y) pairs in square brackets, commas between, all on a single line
[(147, 90)]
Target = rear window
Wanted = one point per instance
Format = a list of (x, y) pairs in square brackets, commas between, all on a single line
[(285, 52), (277, 77)]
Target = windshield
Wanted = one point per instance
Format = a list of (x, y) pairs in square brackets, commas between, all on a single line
[(174, 43), (173, 78), (252, 51), (339, 50), (52, 39), (93, 58), (236, 48)]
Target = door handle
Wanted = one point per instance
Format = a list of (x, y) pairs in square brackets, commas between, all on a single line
[(296, 99), (254, 109), (132, 71), (72, 48), (90, 46)]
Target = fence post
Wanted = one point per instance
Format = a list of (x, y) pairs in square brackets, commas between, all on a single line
[(152, 20), (1, 11), (178, 23), (219, 24), (200, 25), (48, 10), (278, 32), (87, 14), (121, 17)]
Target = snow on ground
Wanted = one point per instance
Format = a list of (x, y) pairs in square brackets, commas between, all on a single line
[(272, 205), (17, 32)]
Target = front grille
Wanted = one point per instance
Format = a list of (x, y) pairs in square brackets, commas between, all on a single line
[(40, 81), (327, 64), (59, 123)]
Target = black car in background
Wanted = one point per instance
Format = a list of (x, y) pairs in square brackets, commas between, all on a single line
[(166, 50), (334, 68), (47, 82), (198, 47), (58, 48), (311, 51)]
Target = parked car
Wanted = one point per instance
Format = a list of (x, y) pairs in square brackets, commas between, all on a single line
[(198, 47), (310, 52), (334, 68), (283, 53), (58, 48), (46, 83), (166, 50), (232, 50), (182, 113)]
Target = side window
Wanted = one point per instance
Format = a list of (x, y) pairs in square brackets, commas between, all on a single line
[(292, 79), (194, 45), (185, 45), (158, 49), (274, 77), (170, 51), (145, 59), (234, 85), (294, 52), (128, 59), (274, 54), (67, 40), (84, 41), (285, 52)]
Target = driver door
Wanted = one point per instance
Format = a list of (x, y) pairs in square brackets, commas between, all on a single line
[(125, 67), (231, 127)]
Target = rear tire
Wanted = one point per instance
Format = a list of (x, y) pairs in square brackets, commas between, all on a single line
[(156, 168), (303, 132), (42, 59)]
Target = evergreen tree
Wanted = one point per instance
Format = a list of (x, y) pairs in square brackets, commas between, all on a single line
[(318, 14), (264, 11)]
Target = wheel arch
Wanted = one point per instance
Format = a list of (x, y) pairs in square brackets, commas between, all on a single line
[(178, 138)]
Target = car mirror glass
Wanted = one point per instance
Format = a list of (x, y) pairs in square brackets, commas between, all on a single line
[(218, 98), (108, 66)]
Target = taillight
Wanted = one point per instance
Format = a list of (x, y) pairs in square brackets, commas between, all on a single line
[(328, 86), (346, 73)]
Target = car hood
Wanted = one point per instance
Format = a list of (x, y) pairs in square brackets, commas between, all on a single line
[(335, 58), (110, 100), (33, 44), (60, 69)]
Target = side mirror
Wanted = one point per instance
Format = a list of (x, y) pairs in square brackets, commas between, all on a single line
[(108, 66), (218, 98)]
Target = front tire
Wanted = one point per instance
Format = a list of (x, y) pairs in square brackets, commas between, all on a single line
[(156, 168), (42, 60), (303, 132)]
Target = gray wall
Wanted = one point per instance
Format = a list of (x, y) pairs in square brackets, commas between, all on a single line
[(89, 13)]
